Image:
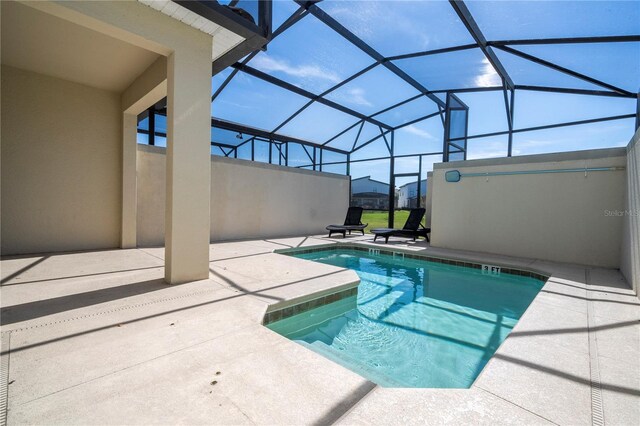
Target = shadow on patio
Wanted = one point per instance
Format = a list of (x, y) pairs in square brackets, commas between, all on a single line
[(40, 308)]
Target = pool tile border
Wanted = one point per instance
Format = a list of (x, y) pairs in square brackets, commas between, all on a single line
[(453, 262), (289, 311)]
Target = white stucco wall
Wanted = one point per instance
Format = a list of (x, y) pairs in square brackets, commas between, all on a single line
[(560, 217), (189, 54), (151, 196), (61, 164), (248, 199), (630, 248)]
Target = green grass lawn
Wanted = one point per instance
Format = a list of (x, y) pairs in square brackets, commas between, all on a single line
[(380, 219)]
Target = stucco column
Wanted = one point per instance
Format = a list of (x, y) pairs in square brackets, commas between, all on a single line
[(187, 217), (129, 181)]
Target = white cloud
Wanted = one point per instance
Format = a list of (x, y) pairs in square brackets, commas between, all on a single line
[(357, 96), (489, 76), (353, 96), (369, 21), (358, 16), (268, 63), (418, 132)]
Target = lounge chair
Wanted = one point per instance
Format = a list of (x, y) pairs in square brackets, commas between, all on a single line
[(412, 228), (351, 223)]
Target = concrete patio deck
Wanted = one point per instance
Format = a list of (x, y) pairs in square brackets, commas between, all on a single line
[(98, 338)]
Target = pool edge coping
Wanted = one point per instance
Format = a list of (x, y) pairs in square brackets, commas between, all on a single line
[(286, 309)]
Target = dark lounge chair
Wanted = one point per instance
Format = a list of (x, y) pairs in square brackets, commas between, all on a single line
[(351, 223), (412, 228)]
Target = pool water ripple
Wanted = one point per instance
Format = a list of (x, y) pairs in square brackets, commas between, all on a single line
[(414, 323)]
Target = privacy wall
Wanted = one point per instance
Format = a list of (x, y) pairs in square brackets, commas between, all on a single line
[(61, 164), (564, 217), (248, 199), (630, 256)]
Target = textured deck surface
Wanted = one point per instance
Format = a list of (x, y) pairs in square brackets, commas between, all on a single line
[(97, 337)]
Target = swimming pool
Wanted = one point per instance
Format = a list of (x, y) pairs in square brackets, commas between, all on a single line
[(413, 323)]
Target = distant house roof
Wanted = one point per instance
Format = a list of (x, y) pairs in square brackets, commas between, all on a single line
[(368, 178), (413, 183)]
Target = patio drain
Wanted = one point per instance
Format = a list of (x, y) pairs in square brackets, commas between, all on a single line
[(4, 377), (597, 405)]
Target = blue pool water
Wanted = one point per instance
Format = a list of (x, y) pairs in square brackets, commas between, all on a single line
[(414, 323)]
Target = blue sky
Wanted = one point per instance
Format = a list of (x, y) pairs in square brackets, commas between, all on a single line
[(312, 56)]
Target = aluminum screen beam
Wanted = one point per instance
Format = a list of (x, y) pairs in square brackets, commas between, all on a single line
[(221, 64), (511, 112), (299, 91), (567, 40), (355, 40), (574, 91), (465, 15), (567, 71), (433, 52), (309, 7), (550, 126), (409, 123), (406, 101), (357, 123), (638, 113), (235, 127), (323, 94)]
